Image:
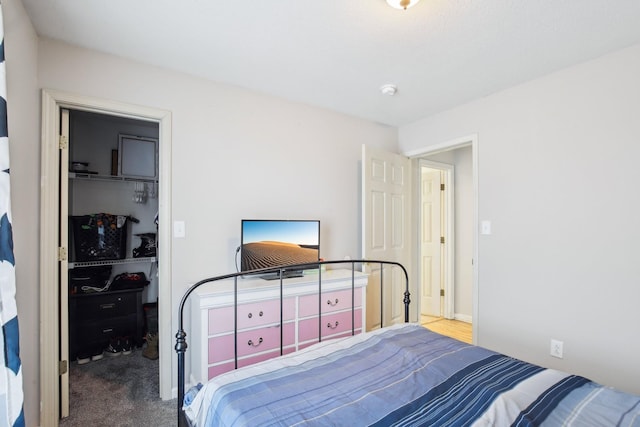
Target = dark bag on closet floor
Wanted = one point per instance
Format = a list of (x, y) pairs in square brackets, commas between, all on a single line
[(128, 281)]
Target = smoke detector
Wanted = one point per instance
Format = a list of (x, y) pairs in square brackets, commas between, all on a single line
[(388, 89)]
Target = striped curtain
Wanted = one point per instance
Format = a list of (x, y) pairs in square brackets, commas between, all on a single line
[(11, 394)]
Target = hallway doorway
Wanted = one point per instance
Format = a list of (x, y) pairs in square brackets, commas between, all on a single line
[(459, 301)]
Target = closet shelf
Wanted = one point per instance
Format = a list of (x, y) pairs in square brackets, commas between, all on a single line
[(95, 177), (110, 262)]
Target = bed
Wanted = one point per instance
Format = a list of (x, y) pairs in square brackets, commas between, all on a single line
[(402, 375)]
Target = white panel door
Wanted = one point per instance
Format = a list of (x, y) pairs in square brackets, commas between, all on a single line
[(430, 243), (386, 211)]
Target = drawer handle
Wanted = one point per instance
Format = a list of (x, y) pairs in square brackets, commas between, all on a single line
[(108, 330), (334, 326), (259, 314), (332, 303), (107, 306), (255, 345)]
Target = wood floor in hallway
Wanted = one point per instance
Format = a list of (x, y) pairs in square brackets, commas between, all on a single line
[(452, 328)]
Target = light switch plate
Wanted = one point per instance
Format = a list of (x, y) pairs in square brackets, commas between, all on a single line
[(485, 227), (179, 229)]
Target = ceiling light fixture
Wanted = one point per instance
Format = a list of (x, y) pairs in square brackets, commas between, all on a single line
[(389, 89), (402, 4)]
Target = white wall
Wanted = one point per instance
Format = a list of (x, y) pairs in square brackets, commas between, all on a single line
[(558, 171), (464, 232), (24, 145), (236, 154)]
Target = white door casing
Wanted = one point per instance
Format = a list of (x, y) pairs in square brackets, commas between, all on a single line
[(430, 242), (386, 222), (51, 269)]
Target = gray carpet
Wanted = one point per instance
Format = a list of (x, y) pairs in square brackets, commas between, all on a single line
[(118, 391)]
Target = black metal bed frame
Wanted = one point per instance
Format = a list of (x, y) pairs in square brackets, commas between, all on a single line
[(181, 341)]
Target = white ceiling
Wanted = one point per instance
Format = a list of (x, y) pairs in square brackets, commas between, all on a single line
[(337, 53)]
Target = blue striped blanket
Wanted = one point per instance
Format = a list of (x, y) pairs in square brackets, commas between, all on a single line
[(406, 375)]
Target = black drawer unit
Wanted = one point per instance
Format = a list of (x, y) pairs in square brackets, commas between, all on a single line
[(95, 318)]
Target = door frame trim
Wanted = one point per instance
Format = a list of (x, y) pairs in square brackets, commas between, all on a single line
[(448, 232), (52, 102), (473, 142)]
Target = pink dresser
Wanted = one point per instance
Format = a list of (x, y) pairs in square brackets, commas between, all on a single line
[(211, 340)]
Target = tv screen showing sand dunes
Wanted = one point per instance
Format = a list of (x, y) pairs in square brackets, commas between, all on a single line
[(272, 243)]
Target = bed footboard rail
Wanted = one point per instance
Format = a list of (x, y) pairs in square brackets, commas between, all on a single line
[(181, 336)]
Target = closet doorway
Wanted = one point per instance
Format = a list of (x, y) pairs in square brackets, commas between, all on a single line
[(59, 200)]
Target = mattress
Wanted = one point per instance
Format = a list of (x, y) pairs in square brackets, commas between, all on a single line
[(405, 375)]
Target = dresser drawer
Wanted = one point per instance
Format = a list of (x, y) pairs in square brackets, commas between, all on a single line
[(332, 324), (103, 306), (250, 315), (330, 302), (250, 342), (216, 370), (100, 331)]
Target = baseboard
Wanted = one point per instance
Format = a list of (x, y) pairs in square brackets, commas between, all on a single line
[(189, 382), (463, 318)]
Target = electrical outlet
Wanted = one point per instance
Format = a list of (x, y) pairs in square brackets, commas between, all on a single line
[(556, 348)]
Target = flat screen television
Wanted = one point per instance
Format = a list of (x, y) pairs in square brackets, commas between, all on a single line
[(274, 243)]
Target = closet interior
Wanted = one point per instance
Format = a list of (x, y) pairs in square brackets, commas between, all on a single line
[(112, 235)]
